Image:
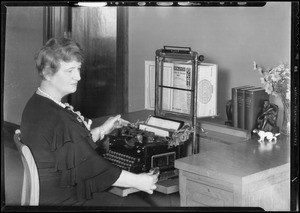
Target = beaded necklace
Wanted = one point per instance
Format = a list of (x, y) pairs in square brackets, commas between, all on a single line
[(50, 97), (69, 107)]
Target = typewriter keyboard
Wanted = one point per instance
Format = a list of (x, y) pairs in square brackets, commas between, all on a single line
[(123, 161)]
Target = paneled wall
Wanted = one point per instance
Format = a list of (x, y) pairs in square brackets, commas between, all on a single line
[(100, 91), (232, 37)]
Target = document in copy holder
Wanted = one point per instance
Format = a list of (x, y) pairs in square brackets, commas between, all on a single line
[(207, 90), (150, 85), (182, 78), (178, 75)]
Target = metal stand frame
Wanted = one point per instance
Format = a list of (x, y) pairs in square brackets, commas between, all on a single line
[(178, 53)]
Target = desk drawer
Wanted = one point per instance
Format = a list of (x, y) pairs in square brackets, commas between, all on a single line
[(199, 194)]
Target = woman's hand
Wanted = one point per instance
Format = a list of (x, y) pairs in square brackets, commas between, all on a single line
[(113, 123), (143, 182), (109, 125), (147, 182)]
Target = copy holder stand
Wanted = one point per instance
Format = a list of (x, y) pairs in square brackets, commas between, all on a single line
[(164, 102), (165, 91)]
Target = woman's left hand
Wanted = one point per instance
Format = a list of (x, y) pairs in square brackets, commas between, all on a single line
[(109, 125), (113, 123)]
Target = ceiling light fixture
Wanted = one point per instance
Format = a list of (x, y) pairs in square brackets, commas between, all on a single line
[(141, 3), (92, 4), (242, 3), (164, 3), (184, 3)]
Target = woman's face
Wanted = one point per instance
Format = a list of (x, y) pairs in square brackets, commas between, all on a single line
[(66, 78)]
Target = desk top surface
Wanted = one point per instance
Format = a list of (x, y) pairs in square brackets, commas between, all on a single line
[(236, 160)]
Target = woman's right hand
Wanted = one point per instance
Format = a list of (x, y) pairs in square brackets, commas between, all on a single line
[(147, 182), (143, 182)]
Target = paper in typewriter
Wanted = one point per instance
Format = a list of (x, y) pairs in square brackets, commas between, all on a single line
[(163, 123), (160, 126)]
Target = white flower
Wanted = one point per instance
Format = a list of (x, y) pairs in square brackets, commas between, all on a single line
[(275, 80), (275, 77), (268, 88)]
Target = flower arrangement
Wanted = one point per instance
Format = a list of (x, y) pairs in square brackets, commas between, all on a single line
[(276, 81)]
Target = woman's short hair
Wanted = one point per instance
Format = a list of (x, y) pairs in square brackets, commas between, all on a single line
[(55, 51)]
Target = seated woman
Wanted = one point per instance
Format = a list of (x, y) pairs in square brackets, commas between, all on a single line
[(266, 121), (62, 141)]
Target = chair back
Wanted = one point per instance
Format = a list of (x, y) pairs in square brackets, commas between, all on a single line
[(31, 185)]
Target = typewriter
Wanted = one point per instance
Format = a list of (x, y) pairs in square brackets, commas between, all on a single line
[(154, 144)]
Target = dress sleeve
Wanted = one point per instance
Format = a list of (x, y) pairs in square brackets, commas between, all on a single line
[(78, 162)]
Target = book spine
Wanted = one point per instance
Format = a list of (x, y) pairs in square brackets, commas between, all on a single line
[(249, 110), (241, 108), (234, 107)]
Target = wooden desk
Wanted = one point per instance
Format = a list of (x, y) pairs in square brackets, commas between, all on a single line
[(231, 172), (238, 174)]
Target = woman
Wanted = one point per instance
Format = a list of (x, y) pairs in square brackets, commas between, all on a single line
[(62, 143)]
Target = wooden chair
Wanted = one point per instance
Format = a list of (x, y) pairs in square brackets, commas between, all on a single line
[(31, 186)]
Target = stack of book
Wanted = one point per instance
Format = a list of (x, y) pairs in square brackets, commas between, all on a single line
[(247, 104)]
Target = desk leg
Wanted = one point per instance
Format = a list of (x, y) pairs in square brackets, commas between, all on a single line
[(182, 188)]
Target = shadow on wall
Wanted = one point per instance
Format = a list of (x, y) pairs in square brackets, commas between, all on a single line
[(223, 82)]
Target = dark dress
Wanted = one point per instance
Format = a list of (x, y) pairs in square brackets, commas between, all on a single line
[(70, 170)]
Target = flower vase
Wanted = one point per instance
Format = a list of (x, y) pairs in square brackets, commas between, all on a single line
[(285, 128)]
